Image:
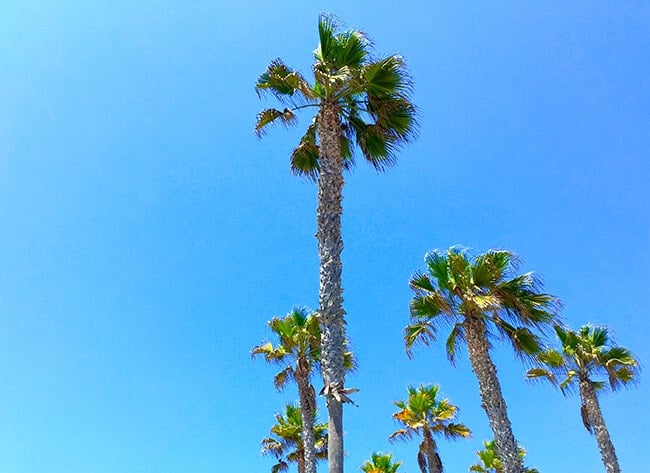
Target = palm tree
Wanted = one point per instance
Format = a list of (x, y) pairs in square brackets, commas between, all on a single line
[(490, 461), (585, 355), (286, 442), (380, 463), (426, 415), (357, 100), (480, 297), (298, 350)]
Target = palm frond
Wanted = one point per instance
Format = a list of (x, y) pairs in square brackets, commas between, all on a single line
[(422, 333), (541, 373), (304, 158), (456, 336), (273, 115), (281, 379), (284, 83)]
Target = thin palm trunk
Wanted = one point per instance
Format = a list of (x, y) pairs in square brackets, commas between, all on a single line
[(491, 395), (433, 459), (307, 408), (597, 423), (330, 247)]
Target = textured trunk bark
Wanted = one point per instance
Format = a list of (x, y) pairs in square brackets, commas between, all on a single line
[(434, 465), (595, 416), (330, 247), (307, 408), (301, 462), (491, 395)]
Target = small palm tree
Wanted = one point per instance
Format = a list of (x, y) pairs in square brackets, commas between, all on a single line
[(426, 415), (359, 101), (490, 462), (480, 297), (380, 463), (585, 356), (286, 442), (298, 351)]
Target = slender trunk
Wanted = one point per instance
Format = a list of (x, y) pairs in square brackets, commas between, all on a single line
[(491, 396), (597, 422), (307, 409), (301, 461), (433, 459), (330, 247)]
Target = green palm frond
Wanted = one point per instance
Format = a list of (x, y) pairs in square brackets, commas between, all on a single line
[(304, 157), (456, 336), (272, 115), (281, 379), (284, 83), (421, 332)]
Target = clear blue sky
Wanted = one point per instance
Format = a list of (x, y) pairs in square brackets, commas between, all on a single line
[(147, 235)]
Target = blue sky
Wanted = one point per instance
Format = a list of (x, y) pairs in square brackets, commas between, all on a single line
[(148, 235)]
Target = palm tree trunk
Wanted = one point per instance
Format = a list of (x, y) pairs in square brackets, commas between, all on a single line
[(433, 459), (491, 396), (307, 409), (330, 247), (597, 423)]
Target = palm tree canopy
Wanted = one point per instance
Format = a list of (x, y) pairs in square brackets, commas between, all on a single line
[(457, 286), (380, 463), (585, 355), (286, 440), (424, 411), (371, 97), (298, 335), (298, 338), (489, 461)]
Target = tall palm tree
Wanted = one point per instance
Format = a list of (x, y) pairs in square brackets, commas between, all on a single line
[(426, 415), (286, 442), (584, 357), (480, 297), (380, 463), (357, 100), (298, 350), (489, 461)]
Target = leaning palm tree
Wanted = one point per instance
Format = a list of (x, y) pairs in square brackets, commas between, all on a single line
[(585, 355), (423, 413), (298, 351), (480, 297), (359, 101), (380, 463), (286, 442), (489, 461)]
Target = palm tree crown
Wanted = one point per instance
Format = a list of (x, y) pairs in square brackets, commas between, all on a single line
[(590, 355), (286, 442), (423, 413), (371, 98), (489, 462), (298, 347), (457, 286), (380, 463)]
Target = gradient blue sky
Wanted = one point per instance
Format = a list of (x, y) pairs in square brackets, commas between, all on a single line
[(148, 235)]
